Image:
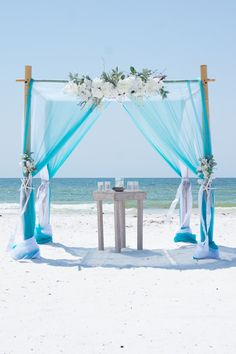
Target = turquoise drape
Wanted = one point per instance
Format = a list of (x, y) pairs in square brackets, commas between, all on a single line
[(176, 127), (57, 124), (204, 215), (27, 209)]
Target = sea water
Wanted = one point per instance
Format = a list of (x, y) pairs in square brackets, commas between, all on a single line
[(79, 191)]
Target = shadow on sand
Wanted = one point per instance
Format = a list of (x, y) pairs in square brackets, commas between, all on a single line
[(176, 259)]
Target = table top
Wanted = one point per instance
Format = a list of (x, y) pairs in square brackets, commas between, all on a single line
[(125, 195)]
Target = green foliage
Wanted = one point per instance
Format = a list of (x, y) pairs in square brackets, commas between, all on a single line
[(133, 71), (163, 92), (78, 80), (74, 78), (144, 75), (106, 77), (114, 76)]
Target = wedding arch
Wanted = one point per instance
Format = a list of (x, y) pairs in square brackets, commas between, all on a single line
[(172, 115)]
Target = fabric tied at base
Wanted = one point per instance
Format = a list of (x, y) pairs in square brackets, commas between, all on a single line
[(27, 210), (185, 234), (28, 249), (23, 244), (43, 230), (206, 248), (43, 234), (184, 198)]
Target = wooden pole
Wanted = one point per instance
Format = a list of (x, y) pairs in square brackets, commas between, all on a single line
[(140, 224), (100, 225), (28, 77), (205, 80)]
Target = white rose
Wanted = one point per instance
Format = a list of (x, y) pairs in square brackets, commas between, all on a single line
[(97, 92), (123, 87), (113, 93), (85, 96), (107, 89), (137, 87), (97, 88), (151, 87), (83, 92), (88, 83), (159, 83), (131, 81), (71, 88)]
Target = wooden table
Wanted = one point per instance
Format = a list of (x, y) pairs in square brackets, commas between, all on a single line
[(119, 199)]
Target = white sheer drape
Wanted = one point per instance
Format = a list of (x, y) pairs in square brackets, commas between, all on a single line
[(185, 201)]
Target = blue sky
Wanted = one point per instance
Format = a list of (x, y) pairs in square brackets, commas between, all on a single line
[(56, 37)]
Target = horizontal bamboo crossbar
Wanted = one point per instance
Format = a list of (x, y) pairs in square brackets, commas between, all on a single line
[(65, 81)]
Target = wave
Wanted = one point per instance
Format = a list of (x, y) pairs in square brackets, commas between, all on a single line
[(13, 208)]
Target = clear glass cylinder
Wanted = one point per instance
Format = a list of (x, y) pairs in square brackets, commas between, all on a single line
[(119, 182), (100, 186)]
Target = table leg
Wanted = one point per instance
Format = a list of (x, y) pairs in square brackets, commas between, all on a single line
[(100, 226), (117, 226), (122, 224), (140, 225)]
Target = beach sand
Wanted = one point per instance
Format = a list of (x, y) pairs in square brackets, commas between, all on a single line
[(76, 299)]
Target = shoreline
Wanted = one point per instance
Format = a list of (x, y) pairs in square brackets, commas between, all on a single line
[(91, 205)]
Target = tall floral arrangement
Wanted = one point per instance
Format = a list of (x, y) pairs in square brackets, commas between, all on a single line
[(116, 85)]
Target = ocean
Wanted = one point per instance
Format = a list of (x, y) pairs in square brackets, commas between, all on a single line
[(160, 191)]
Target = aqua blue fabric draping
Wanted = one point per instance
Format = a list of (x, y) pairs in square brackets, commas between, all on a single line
[(57, 124), (27, 208), (178, 129), (211, 223), (43, 233)]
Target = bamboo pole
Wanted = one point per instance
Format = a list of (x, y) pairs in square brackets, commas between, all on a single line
[(66, 81), (205, 81), (28, 77)]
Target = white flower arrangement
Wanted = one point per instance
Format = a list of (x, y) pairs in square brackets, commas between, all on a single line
[(27, 164), (206, 168), (116, 85)]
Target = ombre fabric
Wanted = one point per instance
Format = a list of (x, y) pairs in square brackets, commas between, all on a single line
[(178, 129), (58, 123), (23, 244), (55, 124), (177, 126)]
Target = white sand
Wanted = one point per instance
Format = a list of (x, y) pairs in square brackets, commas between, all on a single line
[(76, 299)]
